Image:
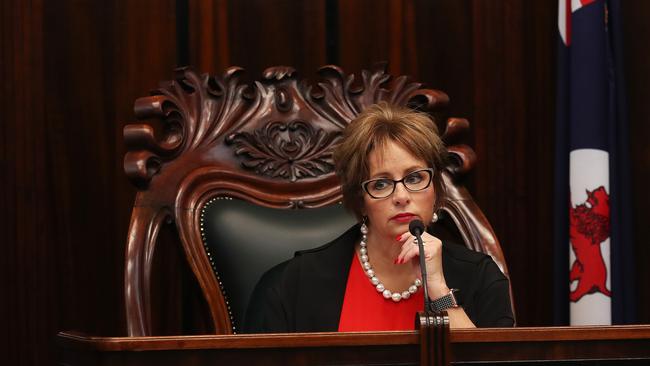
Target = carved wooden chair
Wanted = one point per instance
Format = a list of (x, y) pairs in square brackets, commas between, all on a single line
[(245, 173)]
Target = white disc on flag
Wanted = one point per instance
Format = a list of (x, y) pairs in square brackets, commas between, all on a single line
[(589, 183)]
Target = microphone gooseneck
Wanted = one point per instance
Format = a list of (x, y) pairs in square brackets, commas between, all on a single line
[(416, 228)]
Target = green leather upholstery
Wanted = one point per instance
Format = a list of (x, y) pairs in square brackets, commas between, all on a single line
[(245, 240)]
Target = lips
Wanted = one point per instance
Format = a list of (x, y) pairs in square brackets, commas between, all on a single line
[(403, 217)]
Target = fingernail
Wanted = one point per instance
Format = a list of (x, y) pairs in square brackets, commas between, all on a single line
[(398, 237), (395, 261)]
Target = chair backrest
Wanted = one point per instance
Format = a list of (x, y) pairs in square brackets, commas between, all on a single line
[(233, 163), (244, 240)]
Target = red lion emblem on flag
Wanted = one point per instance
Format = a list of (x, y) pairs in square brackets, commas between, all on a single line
[(589, 226)]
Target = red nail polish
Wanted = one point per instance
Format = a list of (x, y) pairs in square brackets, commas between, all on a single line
[(395, 261), (398, 237)]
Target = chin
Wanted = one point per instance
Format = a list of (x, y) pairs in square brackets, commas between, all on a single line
[(400, 227)]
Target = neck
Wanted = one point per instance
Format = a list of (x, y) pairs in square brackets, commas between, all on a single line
[(383, 249)]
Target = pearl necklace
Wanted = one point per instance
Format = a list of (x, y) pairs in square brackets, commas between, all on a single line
[(365, 263)]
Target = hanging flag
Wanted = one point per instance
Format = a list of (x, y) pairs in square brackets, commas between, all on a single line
[(593, 247)]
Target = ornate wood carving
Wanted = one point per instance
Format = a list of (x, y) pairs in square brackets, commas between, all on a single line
[(288, 150), (196, 111)]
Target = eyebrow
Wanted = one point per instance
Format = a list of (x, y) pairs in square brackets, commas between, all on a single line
[(406, 171)]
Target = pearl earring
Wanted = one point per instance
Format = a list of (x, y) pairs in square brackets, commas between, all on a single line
[(434, 218)]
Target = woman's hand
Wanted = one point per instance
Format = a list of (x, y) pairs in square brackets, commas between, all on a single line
[(437, 286)]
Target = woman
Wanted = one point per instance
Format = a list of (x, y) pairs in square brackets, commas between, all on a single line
[(389, 163)]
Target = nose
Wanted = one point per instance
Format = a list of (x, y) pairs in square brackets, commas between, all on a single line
[(401, 195)]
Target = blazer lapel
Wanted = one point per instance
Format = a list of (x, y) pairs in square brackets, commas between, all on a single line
[(322, 281)]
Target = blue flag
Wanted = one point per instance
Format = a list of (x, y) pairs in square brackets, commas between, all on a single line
[(594, 260)]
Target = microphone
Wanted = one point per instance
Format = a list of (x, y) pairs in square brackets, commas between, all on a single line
[(416, 228)]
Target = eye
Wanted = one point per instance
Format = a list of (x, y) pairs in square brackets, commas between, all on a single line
[(414, 178), (380, 184)]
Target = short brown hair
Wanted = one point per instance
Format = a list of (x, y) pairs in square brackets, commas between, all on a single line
[(376, 125)]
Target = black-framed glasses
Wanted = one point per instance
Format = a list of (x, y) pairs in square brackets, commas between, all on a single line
[(413, 182)]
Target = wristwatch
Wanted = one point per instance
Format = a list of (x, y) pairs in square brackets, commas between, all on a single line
[(446, 302)]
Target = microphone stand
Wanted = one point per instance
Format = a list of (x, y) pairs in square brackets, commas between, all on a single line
[(423, 270), (433, 326)]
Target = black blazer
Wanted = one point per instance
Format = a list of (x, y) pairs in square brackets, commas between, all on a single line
[(305, 294)]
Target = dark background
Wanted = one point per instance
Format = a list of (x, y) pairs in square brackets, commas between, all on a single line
[(71, 70)]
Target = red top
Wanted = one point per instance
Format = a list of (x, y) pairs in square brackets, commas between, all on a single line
[(365, 309)]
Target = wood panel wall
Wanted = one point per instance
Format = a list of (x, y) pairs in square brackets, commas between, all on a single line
[(637, 77), (70, 73), (72, 69)]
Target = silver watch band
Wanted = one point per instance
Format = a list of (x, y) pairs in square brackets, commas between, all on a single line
[(446, 302)]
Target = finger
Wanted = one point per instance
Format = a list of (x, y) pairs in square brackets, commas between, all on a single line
[(407, 243), (430, 238), (428, 252), (411, 254), (403, 237), (409, 251), (402, 252)]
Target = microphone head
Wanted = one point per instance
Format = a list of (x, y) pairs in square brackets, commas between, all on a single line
[(416, 227)]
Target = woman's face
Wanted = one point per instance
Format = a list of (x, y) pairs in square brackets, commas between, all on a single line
[(391, 216)]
